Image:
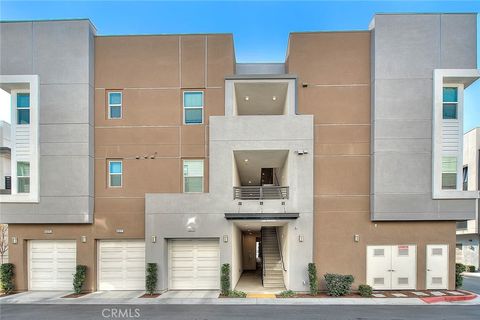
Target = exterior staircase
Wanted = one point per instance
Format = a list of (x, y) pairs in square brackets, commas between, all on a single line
[(272, 260)]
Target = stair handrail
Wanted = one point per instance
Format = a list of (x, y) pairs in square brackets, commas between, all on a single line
[(281, 250), (263, 257)]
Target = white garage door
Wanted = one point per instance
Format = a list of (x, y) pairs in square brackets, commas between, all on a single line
[(121, 265), (391, 267), (51, 264), (194, 264)]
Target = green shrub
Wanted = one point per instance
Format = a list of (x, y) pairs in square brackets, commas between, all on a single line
[(338, 284), (459, 268), (151, 278), (313, 279), (287, 294), (225, 279), (79, 278), (6, 277), (471, 268), (365, 290), (236, 294)]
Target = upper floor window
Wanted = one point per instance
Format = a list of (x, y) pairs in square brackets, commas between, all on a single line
[(193, 107), (450, 102), (465, 178), (192, 175), (23, 108), (114, 105), (23, 177), (449, 173), (115, 173)]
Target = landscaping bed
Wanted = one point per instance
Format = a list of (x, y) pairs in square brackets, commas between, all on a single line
[(76, 295), (148, 295)]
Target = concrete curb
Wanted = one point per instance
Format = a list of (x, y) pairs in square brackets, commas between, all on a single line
[(471, 296)]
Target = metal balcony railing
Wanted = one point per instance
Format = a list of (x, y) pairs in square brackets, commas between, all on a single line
[(260, 193)]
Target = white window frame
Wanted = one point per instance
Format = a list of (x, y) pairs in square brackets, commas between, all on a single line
[(116, 174), (202, 107), (110, 105), (183, 175), (19, 177), (28, 84), (14, 97), (449, 78)]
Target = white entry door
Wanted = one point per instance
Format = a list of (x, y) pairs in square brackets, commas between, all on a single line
[(193, 264), (51, 264), (121, 265), (391, 267), (437, 266)]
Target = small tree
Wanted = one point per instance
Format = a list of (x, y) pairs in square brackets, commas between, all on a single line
[(3, 242), (313, 279), (225, 279), (151, 279), (6, 277), (79, 278)]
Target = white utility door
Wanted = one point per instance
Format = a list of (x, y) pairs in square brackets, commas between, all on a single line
[(51, 264), (379, 261), (193, 264), (404, 267), (121, 265), (437, 266), (391, 267)]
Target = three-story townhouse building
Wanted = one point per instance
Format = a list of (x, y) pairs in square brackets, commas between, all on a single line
[(129, 150)]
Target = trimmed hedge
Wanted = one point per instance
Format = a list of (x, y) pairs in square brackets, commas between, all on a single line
[(79, 278), (6, 277), (471, 268), (459, 268), (287, 294), (338, 284), (313, 279), (151, 278), (225, 279), (365, 290), (236, 294)]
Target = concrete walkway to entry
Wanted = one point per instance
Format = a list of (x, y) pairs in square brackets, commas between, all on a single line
[(251, 282)]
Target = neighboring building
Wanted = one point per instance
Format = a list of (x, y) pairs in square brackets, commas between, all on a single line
[(136, 149), (468, 236), (5, 154)]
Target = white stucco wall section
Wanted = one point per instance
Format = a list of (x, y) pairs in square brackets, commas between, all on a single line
[(442, 77), (30, 150)]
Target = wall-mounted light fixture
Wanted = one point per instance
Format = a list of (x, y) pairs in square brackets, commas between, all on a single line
[(261, 203), (247, 98), (300, 238), (154, 239), (48, 231), (356, 237), (119, 230), (14, 240), (83, 239), (304, 84), (225, 238)]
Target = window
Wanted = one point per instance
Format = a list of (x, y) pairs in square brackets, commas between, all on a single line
[(192, 175), (23, 177), (450, 102), (465, 178), (114, 105), (115, 171), (193, 107), (461, 225), (449, 173), (23, 108)]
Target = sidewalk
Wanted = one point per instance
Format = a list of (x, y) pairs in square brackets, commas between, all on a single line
[(204, 297)]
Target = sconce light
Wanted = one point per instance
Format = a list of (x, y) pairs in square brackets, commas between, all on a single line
[(356, 237), (14, 240), (261, 203), (137, 157), (119, 230), (300, 238), (154, 239), (225, 238), (304, 84), (83, 239)]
